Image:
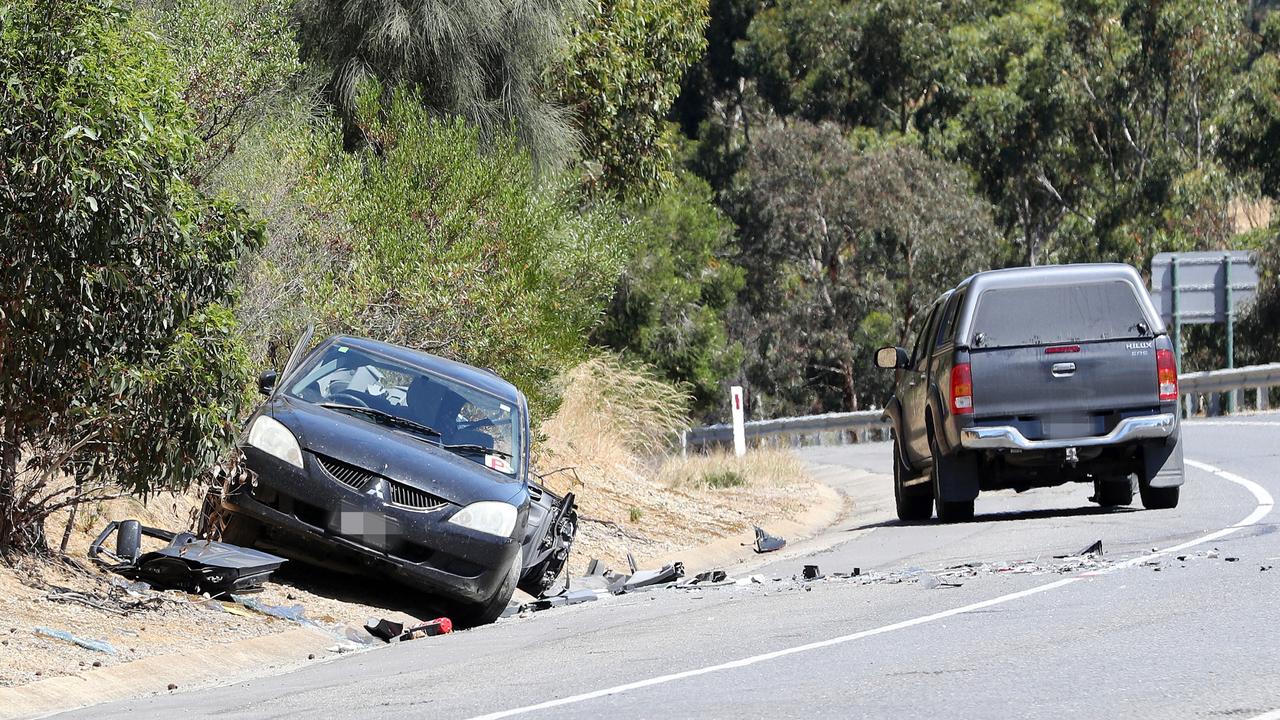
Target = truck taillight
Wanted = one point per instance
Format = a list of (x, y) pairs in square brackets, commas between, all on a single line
[(961, 390), (1167, 375)]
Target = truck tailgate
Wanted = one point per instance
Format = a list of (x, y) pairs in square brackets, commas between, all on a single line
[(1071, 390)]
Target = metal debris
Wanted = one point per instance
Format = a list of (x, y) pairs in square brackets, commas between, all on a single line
[(186, 563), (811, 572), (101, 646), (766, 542)]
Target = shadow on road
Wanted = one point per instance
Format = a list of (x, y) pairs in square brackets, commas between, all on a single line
[(1040, 514)]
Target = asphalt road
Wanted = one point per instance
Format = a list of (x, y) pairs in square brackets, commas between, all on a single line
[(1137, 636)]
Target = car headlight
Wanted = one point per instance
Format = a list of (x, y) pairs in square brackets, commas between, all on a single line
[(273, 438), (494, 518)]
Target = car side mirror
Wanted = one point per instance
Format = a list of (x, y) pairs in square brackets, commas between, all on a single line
[(267, 382), (892, 358)]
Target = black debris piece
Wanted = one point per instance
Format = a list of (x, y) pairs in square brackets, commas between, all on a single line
[(811, 572), (766, 542), (384, 630), (1264, 568), (710, 576), (1094, 549), (1231, 559), (650, 578), (631, 563), (186, 563)]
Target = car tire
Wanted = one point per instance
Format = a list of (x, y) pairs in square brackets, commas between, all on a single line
[(239, 530), (1113, 491), (914, 503), (484, 613), (948, 512), (1159, 498)]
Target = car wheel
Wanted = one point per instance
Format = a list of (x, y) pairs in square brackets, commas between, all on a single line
[(239, 530), (914, 503), (471, 615), (1159, 498), (1113, 491), (948, 512)]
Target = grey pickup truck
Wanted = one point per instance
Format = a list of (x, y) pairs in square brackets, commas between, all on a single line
[(1035, 377)]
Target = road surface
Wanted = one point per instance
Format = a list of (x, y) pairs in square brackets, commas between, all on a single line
[(1143, 636)]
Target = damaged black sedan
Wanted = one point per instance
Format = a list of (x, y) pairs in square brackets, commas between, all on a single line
[(405, 463)]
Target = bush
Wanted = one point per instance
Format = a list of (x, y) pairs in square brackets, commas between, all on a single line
[(457, 248), (119, 362)]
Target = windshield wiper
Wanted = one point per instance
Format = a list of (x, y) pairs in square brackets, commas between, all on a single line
[(478, 448), (386, 417)]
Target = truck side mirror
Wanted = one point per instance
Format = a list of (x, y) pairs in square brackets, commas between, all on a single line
[(892, 358), (267, 382)]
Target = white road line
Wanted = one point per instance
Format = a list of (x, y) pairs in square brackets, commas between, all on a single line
[(1264, 506), (1232, 423), (1273, 715)]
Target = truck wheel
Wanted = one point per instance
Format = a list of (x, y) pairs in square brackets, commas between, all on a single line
[(471, 615), (948, 512), (1113, 491), (914, 503), (1158, 498)]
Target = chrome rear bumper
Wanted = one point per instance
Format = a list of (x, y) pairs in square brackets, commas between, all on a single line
[(1004, 437)]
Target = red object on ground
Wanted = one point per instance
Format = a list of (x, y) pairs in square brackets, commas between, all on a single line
[(431, 628)]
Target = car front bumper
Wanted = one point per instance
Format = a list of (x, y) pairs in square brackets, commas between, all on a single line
[(1005, 437), (314, 517)]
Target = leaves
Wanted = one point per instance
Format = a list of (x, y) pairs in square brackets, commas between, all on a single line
[(118, 365)]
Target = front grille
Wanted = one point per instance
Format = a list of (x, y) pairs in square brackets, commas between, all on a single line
[(411, 497), (349, 475)]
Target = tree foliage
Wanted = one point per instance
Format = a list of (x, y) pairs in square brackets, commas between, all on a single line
[(670, 306), (456, 248), (625, 62), (840, 241), (119, 363), (234, 59), (482, 60)]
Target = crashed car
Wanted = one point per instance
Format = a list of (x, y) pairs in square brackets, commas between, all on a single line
[(394, 460)]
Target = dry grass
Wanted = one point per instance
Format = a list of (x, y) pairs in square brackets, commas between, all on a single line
[(616, 426)]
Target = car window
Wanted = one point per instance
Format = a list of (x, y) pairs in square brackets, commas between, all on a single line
[(948, 320), (463, 415), (919, 353), (1045, 315)]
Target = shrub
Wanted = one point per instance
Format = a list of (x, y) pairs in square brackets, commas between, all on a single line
[(119, 362)]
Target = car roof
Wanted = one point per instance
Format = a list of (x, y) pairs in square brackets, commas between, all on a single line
[(479, 378), (1055, 274)]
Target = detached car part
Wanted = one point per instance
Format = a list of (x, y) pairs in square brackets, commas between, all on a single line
[(186, 563)]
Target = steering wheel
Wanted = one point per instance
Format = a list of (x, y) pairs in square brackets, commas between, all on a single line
[(481, 423), (351, 397)]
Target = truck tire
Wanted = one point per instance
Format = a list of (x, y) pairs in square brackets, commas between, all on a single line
[(1113, 491), (483, 613), (1159, 498), (948, 511), (914, 503)]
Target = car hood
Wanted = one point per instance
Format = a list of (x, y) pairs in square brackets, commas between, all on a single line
[(392, 453)]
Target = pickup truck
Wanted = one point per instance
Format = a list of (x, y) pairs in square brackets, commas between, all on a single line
[(1035, 377)]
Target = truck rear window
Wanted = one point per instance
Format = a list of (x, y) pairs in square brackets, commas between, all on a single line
[(1056, 314)]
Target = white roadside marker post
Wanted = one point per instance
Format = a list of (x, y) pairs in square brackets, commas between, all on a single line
[(739, 431)]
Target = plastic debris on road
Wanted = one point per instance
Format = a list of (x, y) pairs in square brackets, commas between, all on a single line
[(101, 646)]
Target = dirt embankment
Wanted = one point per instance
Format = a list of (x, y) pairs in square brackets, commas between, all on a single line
[(613, 429)]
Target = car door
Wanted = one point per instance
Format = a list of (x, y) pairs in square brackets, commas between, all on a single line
[(915, 387)]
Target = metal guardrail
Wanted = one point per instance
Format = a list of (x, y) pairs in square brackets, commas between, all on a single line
[(846, 427), (1259, 378)]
